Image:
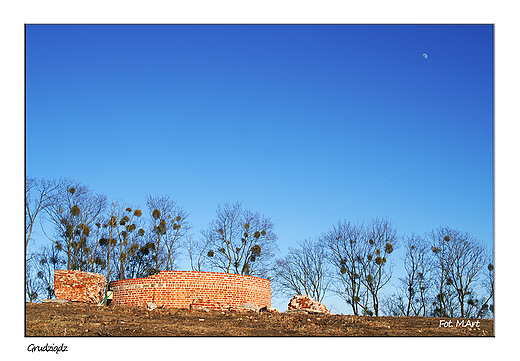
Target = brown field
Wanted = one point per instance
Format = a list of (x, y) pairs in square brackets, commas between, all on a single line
[(79, 319)]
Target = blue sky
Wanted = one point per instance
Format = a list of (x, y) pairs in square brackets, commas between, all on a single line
[(308, 125)]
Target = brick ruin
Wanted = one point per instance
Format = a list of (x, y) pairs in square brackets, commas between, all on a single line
[(176, 289), (79, 286), (179, 289)]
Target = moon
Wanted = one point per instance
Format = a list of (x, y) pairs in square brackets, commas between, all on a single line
[(425, 56)]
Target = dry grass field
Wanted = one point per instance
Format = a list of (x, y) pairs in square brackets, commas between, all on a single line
[(79, 319)]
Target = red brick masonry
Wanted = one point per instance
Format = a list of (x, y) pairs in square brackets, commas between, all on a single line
[(79, 286), (178, 289)]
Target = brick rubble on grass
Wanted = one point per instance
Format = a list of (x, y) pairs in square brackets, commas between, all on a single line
[(304, 302)]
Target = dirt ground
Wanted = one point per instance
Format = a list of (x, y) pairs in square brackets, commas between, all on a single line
[(79, 319)]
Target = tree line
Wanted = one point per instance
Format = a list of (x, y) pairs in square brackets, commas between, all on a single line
[(447, 273), (88, 233)]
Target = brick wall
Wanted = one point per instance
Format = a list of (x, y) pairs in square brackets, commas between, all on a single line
[(178, 289), (79, 286)]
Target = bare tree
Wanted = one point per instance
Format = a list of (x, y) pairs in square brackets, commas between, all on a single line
[(489, 286), (459, 258), (47, 262), (109, 239), (128, 231), (304, 270), (73, 213), (168, 231), (240, 241), (95, 257), (32, 286), (377, 270), (347, 249), (417, 264), (197, 249), (467, 259), (39, 195), (438, 240), (141, 260), (394, 305)]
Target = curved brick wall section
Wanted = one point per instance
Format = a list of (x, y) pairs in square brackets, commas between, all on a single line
[(178, 289)]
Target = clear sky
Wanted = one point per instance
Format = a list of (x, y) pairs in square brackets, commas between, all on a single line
[(307, 125)]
